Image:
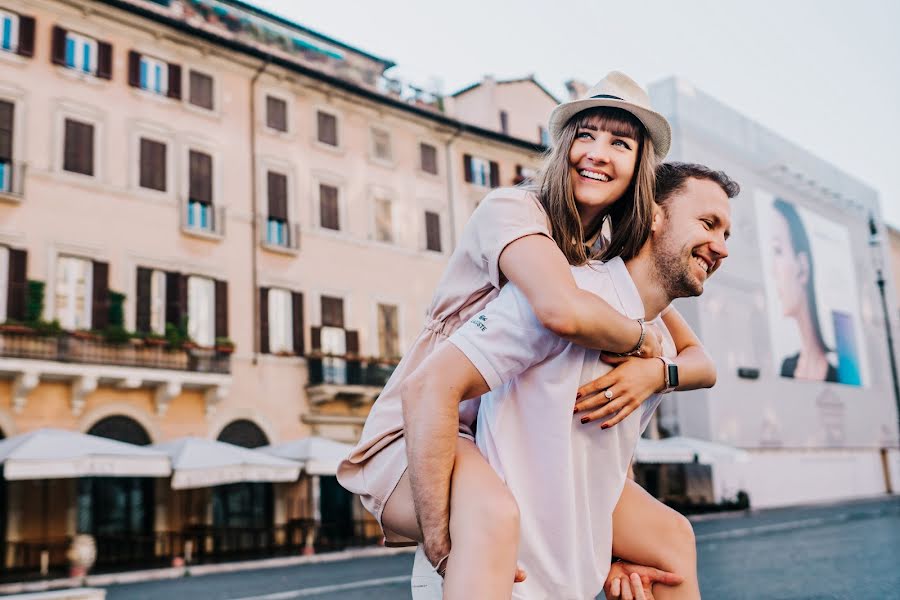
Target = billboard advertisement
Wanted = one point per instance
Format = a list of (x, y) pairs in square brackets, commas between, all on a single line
[(811, 294)]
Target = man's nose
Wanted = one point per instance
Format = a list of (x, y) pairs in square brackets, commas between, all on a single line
[(720, 247)]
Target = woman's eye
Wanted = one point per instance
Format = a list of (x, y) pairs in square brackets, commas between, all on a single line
[(584, 135), (622, 143)]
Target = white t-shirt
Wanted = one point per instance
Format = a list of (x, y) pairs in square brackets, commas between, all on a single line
[(565, 476)]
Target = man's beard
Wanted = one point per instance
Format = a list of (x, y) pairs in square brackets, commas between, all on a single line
[(673, 270)]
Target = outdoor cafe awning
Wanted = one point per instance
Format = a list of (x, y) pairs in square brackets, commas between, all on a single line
[(199, 463), (319, 456), (59, 454), (687, 450)]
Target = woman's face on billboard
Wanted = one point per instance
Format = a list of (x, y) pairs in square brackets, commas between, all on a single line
[(790, 269)]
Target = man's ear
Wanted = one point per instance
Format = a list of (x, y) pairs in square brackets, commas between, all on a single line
[(658, 218)]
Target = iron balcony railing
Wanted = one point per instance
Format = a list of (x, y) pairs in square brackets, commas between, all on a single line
[(347, 369), (203, 219), (279, 235), (12, 179), (90, 349)]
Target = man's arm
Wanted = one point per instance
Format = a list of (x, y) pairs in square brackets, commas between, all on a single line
[(431, 397)]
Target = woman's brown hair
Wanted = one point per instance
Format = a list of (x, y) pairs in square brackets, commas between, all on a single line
[(629, 217)]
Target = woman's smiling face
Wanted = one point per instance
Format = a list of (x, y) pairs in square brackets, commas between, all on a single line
[(602, 159)]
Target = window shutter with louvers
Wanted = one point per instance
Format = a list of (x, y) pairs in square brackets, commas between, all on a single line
[(7, 110), (221, 301), (277, 184), (26, 36), (17, 285), (200, 185), (351, 338), (143, 304), (176, 298), (495, 174), (332, 312), (100, 301), (134, 69), (315, 338), (467, 167), (297, 314), (104, 60), (174, 81), (58, 46), (264, 320)]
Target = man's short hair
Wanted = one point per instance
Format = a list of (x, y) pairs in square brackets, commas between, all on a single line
[(671, 177)]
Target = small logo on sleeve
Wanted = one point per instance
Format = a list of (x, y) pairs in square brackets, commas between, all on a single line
[(480, 322)]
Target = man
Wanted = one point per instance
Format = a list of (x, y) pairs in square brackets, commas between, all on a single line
[(529, 378)]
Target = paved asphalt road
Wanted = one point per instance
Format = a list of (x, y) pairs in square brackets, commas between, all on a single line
[(842, 551)]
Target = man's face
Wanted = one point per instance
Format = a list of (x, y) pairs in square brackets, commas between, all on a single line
[(689, 242)]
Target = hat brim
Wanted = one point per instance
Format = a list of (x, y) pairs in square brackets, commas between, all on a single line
[(657, 126)]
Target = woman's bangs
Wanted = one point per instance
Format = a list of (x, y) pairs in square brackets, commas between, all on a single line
[(616, 121)]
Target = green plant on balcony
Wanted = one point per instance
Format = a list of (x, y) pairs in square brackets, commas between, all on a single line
[(177, 335), (115, 332), (34, 301), (224, 345), (34, 308)]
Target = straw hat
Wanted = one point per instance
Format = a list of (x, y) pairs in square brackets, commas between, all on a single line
[(617, 90)]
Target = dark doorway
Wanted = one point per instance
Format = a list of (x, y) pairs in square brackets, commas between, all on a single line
[(336, 507), (118, 511), (247, 504)]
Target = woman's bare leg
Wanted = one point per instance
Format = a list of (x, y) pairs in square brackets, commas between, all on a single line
[(647, 532), (484, 527)]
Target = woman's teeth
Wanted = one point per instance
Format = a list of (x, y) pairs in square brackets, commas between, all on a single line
[(593, 175)]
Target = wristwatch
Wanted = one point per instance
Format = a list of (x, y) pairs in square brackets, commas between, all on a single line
[(671, 370)]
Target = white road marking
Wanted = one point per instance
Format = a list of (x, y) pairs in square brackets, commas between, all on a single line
[(774, 527), (328, 589)]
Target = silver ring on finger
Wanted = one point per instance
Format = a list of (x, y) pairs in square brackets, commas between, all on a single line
[(608, 394)]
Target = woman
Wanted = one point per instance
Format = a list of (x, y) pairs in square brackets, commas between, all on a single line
[(796, 285), (601, 172)]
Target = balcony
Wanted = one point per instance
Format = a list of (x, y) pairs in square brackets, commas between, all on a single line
[(87, 361), (88, 349), (12, 180), (346, 377), (279, 236), (202, 220)]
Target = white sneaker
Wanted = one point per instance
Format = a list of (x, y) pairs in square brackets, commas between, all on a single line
[(426, 583)]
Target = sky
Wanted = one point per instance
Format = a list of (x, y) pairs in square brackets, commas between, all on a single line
[(824, 74)]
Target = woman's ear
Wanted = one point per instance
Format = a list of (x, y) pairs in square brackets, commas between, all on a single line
[(803, 268)]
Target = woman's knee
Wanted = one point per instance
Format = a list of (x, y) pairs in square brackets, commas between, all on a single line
[(680, 536), (492, 516)]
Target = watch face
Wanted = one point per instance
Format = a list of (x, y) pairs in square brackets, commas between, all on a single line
[(673, 375)]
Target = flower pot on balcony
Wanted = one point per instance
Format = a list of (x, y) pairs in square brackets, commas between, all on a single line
[(155, 342), (16, 328), (225, 349), (83, 334)]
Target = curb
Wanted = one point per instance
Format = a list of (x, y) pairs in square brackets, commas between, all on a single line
[(107, 579)]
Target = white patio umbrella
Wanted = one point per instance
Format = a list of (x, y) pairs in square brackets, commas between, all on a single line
[(198, 463), (656, 452), (59, 454), (319, 456), (707, 453)]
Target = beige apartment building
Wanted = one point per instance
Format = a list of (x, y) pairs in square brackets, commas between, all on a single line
[(216, 223)]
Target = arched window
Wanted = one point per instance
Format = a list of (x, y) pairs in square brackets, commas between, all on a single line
[(244, 433), (123, 429), (248, 504)]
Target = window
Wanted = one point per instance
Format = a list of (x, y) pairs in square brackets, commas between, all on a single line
[(200, 213), (78, 152), (543, 135), (332, 312), (151, 301), (388, 337), (13, 284), (73, 292), (504, 122), (9, 31), (328, 207), (277, 221), (154, 75), (281, 327), (276, 113), (432, 231), (81, 53), (152, 165), (7, 112), (201, 310), (327, 128), (384, 220), (333, 340), (428, 158), (4, 282), (201, 90), (480, 171), (381, 144)]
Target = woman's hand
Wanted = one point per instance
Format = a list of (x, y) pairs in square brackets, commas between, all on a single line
[(627, 581), (652, 345), (622, 390)]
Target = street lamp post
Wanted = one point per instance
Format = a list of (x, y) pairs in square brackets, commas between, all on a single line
[(878, 260)]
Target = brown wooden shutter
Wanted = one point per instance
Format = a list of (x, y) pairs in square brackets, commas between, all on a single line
[(152, 165), (315, 339), (327, 126), (328, 207), (143, 304), (104, 60), (58, 46), (351, 340), (174, 81), (134, 69), (428, 158), (332, 312), (7, 110), (264, 320), (221, 309), (432, 231), (276, 113), (176, 298), (495, 174), (278, 196), (467, 167), (26, 36), (297, 313), (200, 168), (78, 154), (100, 301), (17, 285), (201, 90)]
